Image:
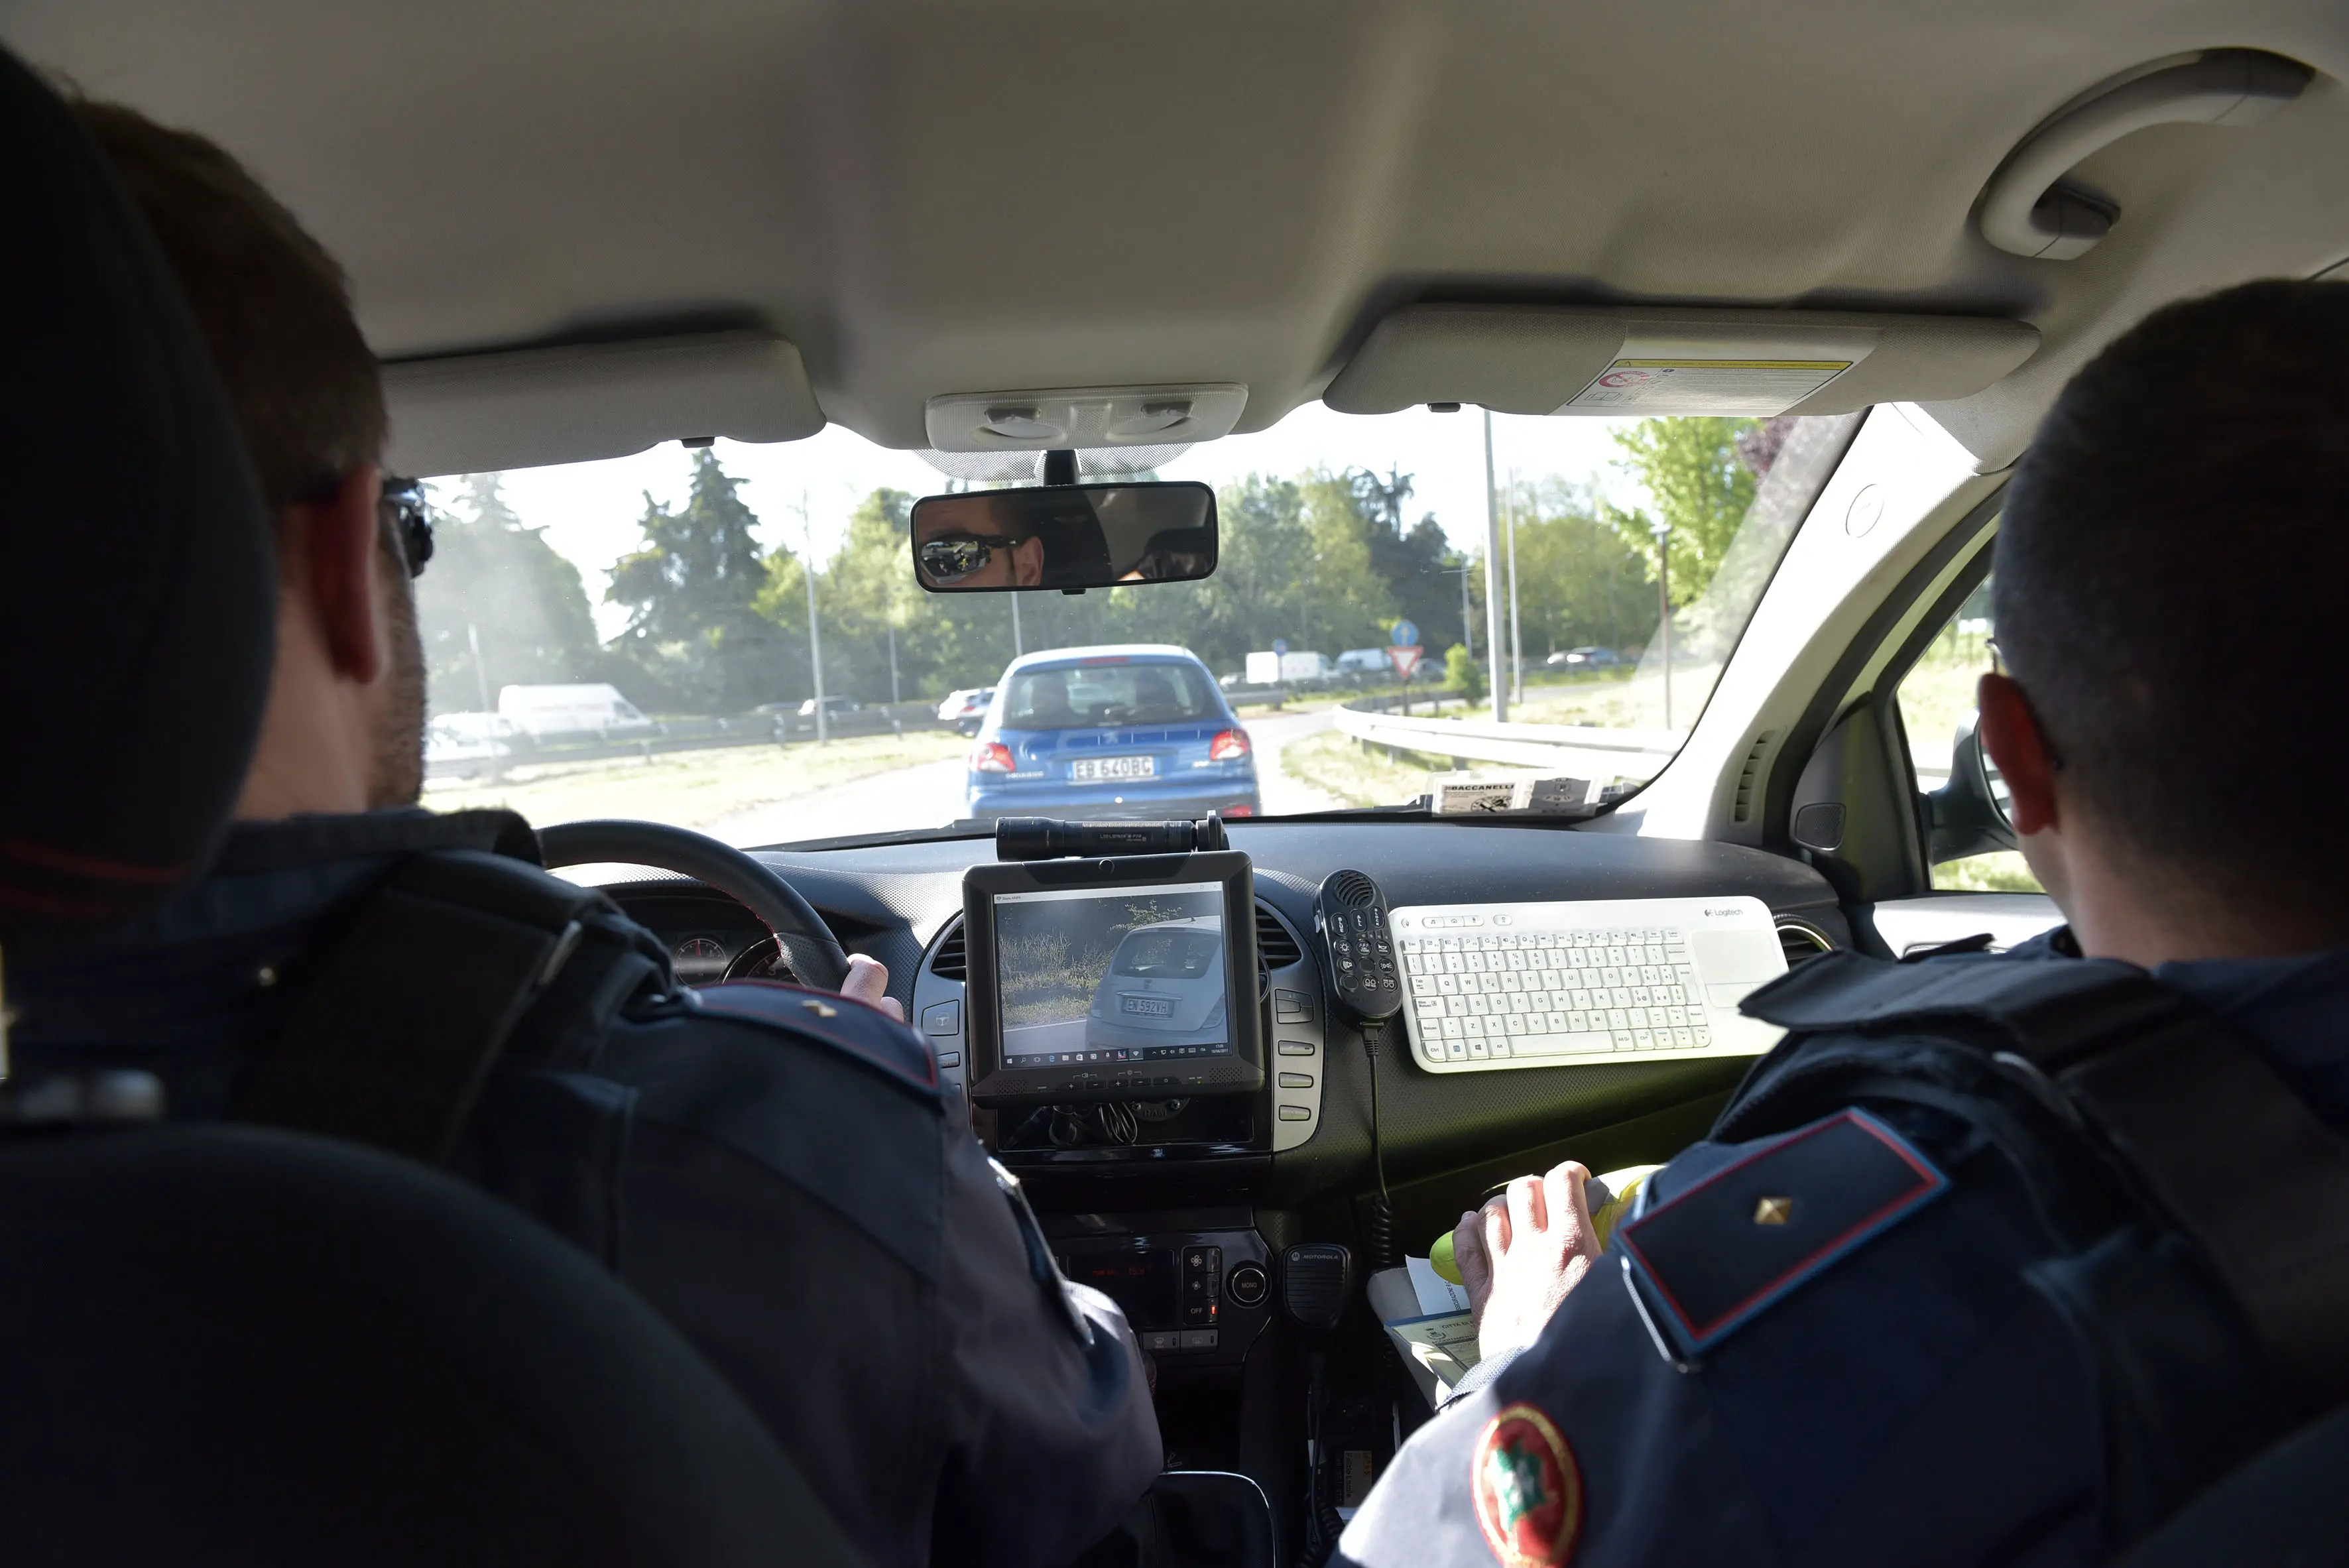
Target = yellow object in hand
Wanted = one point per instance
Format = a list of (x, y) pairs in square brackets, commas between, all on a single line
[(1614, 1193)]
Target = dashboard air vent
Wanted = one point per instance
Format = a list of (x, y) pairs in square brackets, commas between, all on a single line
[(1274, 945), (951, 963), (1749, 777), (1799, 941)]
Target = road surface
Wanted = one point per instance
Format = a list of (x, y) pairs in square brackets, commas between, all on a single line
[(929, 794), (1068, 1034)]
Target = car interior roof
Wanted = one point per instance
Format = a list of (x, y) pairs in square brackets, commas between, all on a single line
[(930, 197)]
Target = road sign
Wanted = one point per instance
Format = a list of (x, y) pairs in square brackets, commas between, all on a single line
[(1405, 659), (1281, 644), (1405, 635)]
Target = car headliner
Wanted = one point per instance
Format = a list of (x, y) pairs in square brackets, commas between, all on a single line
[(954, 196)]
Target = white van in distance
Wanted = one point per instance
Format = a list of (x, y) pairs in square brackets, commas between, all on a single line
[(549, 712)]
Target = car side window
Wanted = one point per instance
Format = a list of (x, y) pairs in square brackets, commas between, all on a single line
[(1937, 705)]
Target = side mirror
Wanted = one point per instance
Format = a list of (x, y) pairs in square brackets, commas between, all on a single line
[(1969, 813), (1068, 537)]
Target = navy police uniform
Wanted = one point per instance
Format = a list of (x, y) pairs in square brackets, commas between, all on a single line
[(776, 1170), (1901, 1317)]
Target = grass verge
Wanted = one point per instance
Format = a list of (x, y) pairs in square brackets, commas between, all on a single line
[(2000, 871), (1355, 775)]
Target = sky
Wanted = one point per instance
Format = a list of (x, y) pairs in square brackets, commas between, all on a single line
[(590, 511)]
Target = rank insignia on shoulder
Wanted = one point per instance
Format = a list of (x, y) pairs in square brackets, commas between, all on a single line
[(849, 1028), (1527, 1489), (1752, 1232)]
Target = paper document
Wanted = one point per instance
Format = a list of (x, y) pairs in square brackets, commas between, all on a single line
[(1435, 1294), (1427, 1317)]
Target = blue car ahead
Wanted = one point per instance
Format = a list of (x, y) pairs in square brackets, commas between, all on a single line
[(1131, 732)]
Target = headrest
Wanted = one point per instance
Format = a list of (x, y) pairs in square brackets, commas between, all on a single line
[(137, 567)]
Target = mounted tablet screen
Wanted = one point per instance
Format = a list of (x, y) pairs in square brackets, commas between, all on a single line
[(1113, 979)]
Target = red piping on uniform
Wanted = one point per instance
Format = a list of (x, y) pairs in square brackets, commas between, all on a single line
[(1865, 1124), (89, 865)]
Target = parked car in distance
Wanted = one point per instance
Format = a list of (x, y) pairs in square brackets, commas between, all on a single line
[(1592, 658), (1371, 662), (1134, 731), (569, 712), (1165, 988), (468, 744), (964, 709), (833, 706)]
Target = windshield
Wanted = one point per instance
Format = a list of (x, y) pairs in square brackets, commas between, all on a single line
[(647, 637)]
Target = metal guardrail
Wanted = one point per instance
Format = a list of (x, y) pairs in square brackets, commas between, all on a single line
[(1585, 751)]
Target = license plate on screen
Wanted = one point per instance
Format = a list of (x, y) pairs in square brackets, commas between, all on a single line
[(1098, 768), (1149, 1006)]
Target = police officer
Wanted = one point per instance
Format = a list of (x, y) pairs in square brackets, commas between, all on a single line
[(779, 1174), (2000, 1258)]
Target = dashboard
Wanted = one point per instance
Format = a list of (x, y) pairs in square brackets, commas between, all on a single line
[(1304, 1139)]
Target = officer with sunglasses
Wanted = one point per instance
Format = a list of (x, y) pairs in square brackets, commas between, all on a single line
[(951, 553), (779, 1172)]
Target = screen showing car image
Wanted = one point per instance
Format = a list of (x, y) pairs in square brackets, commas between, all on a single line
[(1087, 975)]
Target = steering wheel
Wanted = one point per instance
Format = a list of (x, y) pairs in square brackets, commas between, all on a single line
[(748, 880)]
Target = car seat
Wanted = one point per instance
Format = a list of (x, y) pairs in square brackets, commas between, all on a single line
[(232, 1344)]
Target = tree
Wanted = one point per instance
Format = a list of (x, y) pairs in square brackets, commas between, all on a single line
[(1412, 561), (692, 592), (1463, 674), (1579, 580), (1702, 484), (499, 587)]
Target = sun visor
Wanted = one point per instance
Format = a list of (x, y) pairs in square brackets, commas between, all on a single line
[(528, 407), (1634, 360)]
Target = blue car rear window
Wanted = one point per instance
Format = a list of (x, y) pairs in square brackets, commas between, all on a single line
[(1088, 697)]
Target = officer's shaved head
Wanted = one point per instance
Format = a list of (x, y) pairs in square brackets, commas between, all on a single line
[(274, 306), (275, 310), (2169, 577)]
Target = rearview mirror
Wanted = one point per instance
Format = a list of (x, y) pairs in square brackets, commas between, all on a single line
[(1070, 537)]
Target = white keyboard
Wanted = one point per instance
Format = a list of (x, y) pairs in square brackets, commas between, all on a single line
[(1498, 986)]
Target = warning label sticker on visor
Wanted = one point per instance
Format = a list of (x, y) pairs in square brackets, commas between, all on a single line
[(1756, 387)]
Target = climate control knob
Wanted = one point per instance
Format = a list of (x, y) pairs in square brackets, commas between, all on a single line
[(1246, 1285)]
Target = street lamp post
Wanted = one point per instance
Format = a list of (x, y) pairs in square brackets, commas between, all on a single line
[(815, 638), (1493, 579), (1663, 532), (1516, 630), (1467, 616)]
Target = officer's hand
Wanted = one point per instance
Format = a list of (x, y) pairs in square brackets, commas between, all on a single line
[(1522, 1253), (868, 982)]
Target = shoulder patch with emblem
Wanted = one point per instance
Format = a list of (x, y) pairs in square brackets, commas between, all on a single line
[(848, 1026), (1752, 1232), (1527, 1489)]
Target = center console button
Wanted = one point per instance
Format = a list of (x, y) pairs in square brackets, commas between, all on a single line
[(1246, 1285)]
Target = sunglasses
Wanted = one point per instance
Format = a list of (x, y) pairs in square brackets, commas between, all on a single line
[(403, 504), (951, 557)]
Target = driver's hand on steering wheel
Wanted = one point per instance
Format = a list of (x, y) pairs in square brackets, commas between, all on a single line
[(1522, 1251), (868, 982)]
